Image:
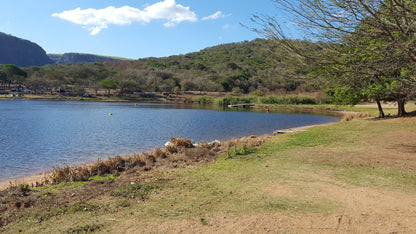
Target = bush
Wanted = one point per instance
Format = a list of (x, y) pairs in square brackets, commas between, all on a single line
[(344, 96), (237, 90), (230, 100), (257, 93), (203, 100), (287, 100)]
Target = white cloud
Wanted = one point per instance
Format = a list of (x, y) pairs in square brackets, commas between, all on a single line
[(95, 20), (215, 16)]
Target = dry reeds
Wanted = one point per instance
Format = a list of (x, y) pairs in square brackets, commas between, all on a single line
[(178, 150), (354, 115)]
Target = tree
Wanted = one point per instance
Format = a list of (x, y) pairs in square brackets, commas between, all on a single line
[(368, 46), (128, 86), (11, 73), (36, 84), (108, 84), (3, 79)]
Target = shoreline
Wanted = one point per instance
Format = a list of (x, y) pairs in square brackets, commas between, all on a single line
[(32, 179)]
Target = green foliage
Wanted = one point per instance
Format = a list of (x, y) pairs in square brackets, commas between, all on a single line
[(230, 100), (344, 96), (236, 67), (241, 67), (237, 90), (203, 100), (101, 178), (233, 151), (108, 84), (287, 100), (257, 93), (367, 51), (12, 70)]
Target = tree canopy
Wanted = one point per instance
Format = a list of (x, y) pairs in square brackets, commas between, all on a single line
[(368, 46)]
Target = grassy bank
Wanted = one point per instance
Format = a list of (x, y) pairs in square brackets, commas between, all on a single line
[(354, 177)]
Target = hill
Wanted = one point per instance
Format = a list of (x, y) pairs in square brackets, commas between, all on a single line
[(81, 58), (23, 53), (243, 67)]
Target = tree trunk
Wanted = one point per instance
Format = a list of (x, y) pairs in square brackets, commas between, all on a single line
[(380, 110), (400, 107)]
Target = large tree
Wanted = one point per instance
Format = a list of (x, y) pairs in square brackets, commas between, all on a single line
[(368, 46), (109, 84), (10, 73)]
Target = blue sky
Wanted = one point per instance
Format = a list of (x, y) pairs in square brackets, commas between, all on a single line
[(131, 28)]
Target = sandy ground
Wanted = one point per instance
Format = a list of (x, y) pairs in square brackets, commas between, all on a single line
[(31, 179)]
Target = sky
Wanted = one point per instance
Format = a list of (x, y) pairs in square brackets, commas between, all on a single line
[(131, 28)]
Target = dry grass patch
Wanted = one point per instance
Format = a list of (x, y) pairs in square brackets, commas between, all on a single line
[(348, 116)]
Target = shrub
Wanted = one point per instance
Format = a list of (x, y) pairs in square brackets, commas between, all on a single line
[(233, 151), (230, 100), (257, 93), (287, 100), (203, 100), (237, 90)]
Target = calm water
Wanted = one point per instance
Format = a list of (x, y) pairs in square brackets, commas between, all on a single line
[(37, 135)]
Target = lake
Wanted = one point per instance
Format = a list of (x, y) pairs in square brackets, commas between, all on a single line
[(37, 135)]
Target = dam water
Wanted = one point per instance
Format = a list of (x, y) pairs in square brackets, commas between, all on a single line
[(37, 135)]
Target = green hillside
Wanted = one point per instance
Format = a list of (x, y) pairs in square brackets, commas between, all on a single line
[(244, 67)]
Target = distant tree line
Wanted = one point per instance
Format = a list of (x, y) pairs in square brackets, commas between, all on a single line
[(237, 67)]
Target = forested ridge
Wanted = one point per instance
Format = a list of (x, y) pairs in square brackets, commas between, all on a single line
[(236, 67)]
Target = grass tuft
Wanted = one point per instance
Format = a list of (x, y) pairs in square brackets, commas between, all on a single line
[(133, 191), (86, 228)]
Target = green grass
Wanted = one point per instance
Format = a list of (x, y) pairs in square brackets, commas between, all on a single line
[(101, 178), (133, 191), (56, 188)]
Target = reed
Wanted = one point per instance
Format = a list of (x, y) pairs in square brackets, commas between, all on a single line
[(178, 150)]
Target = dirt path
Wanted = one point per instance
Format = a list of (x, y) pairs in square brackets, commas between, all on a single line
[(365, 210)]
